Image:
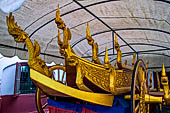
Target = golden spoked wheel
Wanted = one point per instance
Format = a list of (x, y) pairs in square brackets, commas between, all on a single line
[(139, 89), (40, 97)]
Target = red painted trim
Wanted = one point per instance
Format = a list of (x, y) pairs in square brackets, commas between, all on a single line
[(23, 63), (15, 78)]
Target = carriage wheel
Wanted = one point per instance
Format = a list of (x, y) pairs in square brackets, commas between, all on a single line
[(41, 101), (139, 89), (41, 98)]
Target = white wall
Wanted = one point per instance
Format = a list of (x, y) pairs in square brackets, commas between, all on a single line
[(7, 74), (8, 80)]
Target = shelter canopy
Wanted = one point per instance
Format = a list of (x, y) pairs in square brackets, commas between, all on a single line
[(143, 27)]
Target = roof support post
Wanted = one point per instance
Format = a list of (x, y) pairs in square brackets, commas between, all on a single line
[(137, 56)]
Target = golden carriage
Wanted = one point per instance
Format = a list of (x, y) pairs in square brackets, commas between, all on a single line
[(85, 80)]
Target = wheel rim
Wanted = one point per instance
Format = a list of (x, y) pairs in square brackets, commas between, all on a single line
[(139, 89), (41, 101), (61, 75)]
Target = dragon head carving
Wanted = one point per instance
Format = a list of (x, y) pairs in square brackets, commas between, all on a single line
[(14, 30)]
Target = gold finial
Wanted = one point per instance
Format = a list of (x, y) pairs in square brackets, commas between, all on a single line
[(117, 47), (133, 60), (106, 59), (87, 30), (116, 41), (58, 13), (58, 10), (59, 21), (119, 53), (163, 70), (88, 36), (58, 7)]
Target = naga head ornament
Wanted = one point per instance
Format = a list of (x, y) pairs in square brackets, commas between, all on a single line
[(14, 30)]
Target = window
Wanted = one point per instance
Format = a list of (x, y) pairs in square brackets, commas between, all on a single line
[(23, 82)]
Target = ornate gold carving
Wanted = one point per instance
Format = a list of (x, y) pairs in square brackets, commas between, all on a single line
[(122, 79), (97, 75), (79, 80)]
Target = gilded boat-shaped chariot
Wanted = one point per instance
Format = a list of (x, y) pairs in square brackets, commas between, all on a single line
[(85, 80)]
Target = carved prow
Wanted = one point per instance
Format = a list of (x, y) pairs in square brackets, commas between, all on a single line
[(19, 34), (34, 60)]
